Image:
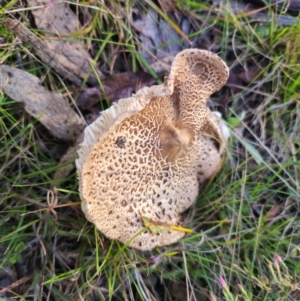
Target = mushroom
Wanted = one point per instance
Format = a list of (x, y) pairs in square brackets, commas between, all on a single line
[(147, 155)]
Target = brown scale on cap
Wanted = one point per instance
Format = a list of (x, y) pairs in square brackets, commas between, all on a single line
[(147, 155)]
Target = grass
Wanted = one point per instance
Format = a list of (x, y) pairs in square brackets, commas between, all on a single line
[(245, 244)]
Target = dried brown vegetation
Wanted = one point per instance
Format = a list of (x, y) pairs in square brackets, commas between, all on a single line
[(245, 243)]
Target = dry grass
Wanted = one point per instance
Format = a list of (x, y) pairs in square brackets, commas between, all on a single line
[(246, 240)]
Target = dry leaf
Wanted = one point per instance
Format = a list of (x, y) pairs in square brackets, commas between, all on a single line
[(58, 20), (168, 5), (48, 107), (234, 83), (276, 210), (88, 98), (116, 86), (248, 76), (159, 40), (179, 292)]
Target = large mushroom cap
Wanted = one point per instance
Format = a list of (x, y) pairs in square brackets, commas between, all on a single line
[(139, 159)]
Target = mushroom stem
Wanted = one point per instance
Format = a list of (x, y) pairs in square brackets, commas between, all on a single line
[(194, 76)]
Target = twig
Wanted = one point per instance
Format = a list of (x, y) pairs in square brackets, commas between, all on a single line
[(15, 284)]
